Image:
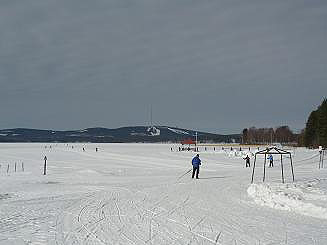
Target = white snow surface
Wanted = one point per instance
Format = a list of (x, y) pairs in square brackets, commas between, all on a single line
[(138, 194), (295, 198)]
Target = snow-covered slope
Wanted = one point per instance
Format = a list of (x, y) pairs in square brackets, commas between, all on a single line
[(138, 194), (178, 131)]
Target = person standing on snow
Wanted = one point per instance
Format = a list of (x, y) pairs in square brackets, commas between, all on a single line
[(247, 161), (196, 162), (271, 161)]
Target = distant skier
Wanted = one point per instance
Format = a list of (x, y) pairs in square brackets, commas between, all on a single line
[(271, 161), (247, 161), (196, 162), (96, 149)]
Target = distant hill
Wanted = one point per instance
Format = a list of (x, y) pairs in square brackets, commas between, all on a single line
[(118, 135)]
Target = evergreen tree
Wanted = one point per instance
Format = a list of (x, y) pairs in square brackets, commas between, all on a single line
[(322, 123), (310, 133), (300, 138)]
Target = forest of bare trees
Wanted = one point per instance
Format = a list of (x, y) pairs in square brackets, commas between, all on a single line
[(281, 134)]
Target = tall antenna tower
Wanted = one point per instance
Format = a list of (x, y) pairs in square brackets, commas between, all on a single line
[(151, 115)]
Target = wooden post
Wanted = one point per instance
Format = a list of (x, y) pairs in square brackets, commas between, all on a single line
[(45, 165), (15, 166), (292, 166), (8, 169), (264, 168), (23, 167), (281, 163), (196, 141), (255, 158), (320, 157)]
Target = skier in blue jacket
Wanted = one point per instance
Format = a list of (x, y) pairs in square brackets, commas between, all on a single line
[(271, 161), (196, 162)]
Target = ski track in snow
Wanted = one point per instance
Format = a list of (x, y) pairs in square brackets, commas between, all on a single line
[(126, 218), (132, 194)]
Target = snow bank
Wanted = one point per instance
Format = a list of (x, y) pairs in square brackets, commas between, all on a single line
[(298, 198)]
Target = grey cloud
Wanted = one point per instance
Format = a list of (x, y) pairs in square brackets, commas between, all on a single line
[(202, 64)]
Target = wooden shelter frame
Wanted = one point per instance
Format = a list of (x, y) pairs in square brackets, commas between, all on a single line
[(272, 151)]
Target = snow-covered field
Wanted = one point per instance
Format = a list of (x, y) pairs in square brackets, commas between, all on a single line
[(134, 194)]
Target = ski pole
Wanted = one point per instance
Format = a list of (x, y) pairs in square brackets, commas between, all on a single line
[(184, 174)]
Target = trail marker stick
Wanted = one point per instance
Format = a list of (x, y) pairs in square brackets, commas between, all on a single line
[(264, 169), (45, 165), (281, 163)]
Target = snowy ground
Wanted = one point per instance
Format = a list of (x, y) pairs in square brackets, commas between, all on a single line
[(132, 194)]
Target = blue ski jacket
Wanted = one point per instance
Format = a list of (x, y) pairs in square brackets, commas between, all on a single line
[(196, 162), (270, 157)]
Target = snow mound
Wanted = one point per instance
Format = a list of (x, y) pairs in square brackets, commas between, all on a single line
[(239, 154), (298, 198), (87, 171)]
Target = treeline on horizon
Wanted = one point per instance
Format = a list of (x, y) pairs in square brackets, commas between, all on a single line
[(313, 135), (281, 134), (315, 132)]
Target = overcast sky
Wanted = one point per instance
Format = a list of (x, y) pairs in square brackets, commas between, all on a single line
[(214, 65)]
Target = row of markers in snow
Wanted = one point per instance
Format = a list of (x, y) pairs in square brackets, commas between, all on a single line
[(187, 148), (9, 168), (13, 168), (72, 147)]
